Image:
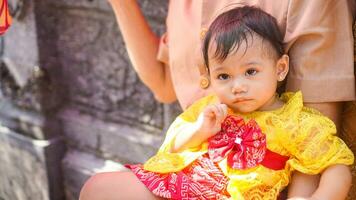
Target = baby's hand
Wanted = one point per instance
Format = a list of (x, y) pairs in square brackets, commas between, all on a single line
[(209, 121)]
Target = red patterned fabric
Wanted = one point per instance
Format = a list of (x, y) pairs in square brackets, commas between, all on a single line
[(243, 144), (199, 181)]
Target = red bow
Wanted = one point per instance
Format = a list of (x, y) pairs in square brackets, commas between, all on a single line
[(244, 144)]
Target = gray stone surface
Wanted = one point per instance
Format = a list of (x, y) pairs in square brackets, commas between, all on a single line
[(29, 168), (20, 50), (83, 4), (79, 166), (28, 122), (111, 140), (24, 71)]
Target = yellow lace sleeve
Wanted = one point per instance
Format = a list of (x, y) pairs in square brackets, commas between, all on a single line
[(313, 144), (165, 161)]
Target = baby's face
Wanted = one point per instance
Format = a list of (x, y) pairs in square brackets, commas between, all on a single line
[(247, 79)]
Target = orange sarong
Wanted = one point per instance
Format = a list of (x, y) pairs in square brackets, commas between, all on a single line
[(5, 17)]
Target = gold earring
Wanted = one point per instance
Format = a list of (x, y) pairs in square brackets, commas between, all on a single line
[(204, 82), (280, 78)]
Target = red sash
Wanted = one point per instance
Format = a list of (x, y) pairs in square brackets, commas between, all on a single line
[(274, 160)]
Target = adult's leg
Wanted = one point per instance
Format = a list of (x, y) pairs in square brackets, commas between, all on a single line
[(348, 134), (115, 185)]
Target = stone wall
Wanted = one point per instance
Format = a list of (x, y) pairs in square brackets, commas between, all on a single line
[(70, 103)]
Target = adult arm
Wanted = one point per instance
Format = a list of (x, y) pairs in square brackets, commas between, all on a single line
[(142, 46)]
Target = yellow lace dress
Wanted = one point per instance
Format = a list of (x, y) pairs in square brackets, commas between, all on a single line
[(303, 134)]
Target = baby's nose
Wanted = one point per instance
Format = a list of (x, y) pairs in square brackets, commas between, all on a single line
[(238, 86)]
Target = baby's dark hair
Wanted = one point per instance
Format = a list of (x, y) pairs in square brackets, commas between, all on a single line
[(232, 27)]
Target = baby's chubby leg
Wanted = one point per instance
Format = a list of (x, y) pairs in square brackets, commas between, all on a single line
[(113, 186)]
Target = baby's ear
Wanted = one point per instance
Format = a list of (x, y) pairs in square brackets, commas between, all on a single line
[(282, 67)]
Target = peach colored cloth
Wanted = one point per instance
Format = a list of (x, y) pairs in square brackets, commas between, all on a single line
[(317, 36)]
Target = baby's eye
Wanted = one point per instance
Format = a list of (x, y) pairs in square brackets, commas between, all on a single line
[(251, 72), (223, 76)]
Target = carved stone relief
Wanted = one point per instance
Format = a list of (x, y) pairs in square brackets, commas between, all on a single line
[(31, 95), (101, 80)]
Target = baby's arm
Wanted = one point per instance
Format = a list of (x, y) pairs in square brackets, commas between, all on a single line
[(335, 183), (302, 185), (207, 125)]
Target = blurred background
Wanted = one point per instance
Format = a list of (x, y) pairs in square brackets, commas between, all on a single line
[(70, 103)]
